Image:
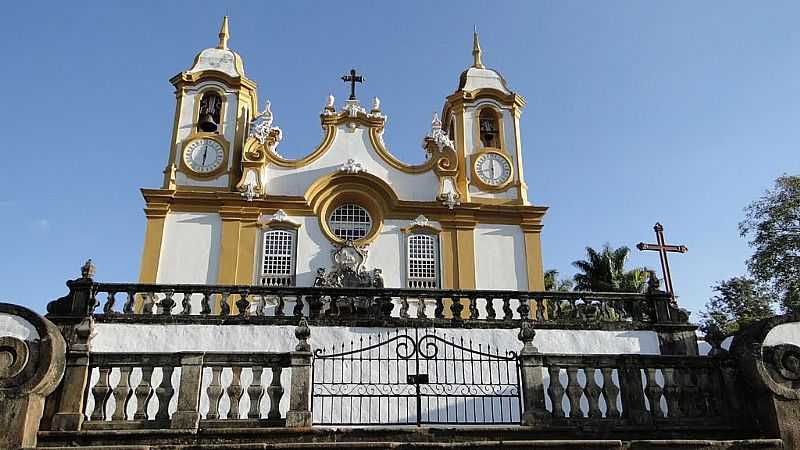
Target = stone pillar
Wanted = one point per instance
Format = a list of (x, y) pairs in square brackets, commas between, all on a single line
[(632, 391), (676, 336), (31, 367), (531, 378), (73, 315), (299, 414), (187, 414)]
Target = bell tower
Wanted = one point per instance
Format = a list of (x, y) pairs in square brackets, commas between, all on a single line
[(214, 104), (482, 118)]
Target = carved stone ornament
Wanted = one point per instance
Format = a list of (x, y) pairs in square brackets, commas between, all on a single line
[(249, 193), (353, 107), (438, 136), (780, 369), (351, 166), (330, 108), (420, 221), (450, 199), (348, 269), (262, 130)]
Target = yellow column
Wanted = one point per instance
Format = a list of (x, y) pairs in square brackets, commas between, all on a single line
[(248, 238), (533, 255), (154, 235), (229, 244), (458, 255)]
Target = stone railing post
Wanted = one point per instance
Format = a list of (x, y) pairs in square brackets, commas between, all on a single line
[(32, 360), (73, 315), (531, 363), (187, 414), (632, 391), (299, 414), (675, 335)]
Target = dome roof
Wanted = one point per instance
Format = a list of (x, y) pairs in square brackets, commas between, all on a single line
[(220, 58), (478, 76)]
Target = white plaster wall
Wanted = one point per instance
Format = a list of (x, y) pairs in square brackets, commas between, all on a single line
[(190, 248), (115, 337), (353, 144), (785, 333), (16, 326), (500, 257), (313, 249)]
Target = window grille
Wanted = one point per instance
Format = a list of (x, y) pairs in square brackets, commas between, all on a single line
[(422, 261), (278, 261), (350, 222)]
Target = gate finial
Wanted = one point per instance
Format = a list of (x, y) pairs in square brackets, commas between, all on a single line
[(302, 332)]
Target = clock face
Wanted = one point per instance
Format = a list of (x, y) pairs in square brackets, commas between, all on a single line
[(493, 169), (203, 155)]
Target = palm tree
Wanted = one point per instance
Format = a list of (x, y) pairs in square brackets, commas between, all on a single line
[(553, 283), (605, 272)]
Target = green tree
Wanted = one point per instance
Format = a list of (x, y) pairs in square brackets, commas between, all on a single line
[(773, 224), (604, 271), (553, 283), (738, 302)]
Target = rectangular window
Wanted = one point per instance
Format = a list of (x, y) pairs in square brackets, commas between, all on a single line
[(422, 261), (278, 258)]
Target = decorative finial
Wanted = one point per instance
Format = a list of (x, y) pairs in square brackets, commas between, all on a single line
[(476, 50), (268, 108), (376, 104), (331, 100), (87, 270), (223, 34), (436, 123)]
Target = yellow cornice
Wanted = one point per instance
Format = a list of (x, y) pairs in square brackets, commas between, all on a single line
[(458, 98), (185, 79)]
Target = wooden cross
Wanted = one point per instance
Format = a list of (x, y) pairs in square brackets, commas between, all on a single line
[(662, 249), (353, 79)]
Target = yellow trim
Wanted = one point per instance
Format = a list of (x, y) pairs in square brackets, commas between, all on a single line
[(383, 152), (223, 167), (533, 256), (476, 180), (153, 239), (173, 148), (248, 252)]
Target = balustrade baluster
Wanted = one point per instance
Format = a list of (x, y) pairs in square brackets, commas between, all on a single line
[(235, 392), (705, 398), (456, 308), (127, 308), (610, 393), (167, 303), (186, 303), (122, 394), (279, 307), (205, 304), (224, 306), (507, 313), (556, 391), (524, 308), (148, 301), (473, 308), (255, 392), (672, 392), (690, 399), (144, 392), (438, 312), (214, 392), (108, 308), (491, 314), (653, 392), (164, 393), (592, 391), (404, 307), (275, 393), (243, 304), (101, 392), (421, 314), (540, 309), (298, 306), (574, 392)]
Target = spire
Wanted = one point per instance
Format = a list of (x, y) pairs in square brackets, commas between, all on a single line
[(476, 50), (223, 34)]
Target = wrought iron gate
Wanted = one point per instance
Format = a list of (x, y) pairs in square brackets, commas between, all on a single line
[(414, 377)]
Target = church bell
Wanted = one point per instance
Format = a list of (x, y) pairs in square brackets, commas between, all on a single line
[(207, 123)]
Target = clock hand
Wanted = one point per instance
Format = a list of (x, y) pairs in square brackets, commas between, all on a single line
[(205, 152)]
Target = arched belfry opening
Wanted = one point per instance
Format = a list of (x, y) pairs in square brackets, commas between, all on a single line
[(489, 128), (209, 113)]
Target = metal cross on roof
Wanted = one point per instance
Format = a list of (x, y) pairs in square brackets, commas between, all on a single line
[(353, 79), (662, 249)]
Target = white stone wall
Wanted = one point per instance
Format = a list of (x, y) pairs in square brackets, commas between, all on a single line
[(353, 144), (190, 248), (785, 333), (500, 257)]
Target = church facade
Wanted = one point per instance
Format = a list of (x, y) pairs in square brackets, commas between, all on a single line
[(233, 210)]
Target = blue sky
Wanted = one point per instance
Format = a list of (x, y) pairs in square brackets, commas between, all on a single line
[(681, 112)]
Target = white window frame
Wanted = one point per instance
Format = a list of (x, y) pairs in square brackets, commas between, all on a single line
[(350, 225), (423, 282), (283, 279)]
